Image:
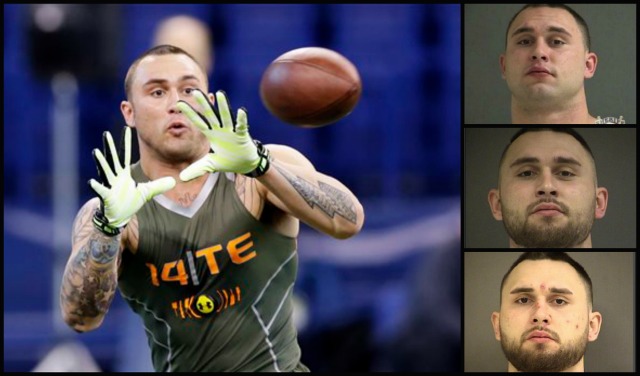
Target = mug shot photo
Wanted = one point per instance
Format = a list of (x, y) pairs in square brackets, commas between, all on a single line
[(548, 55), (549, 193), (549, 312)]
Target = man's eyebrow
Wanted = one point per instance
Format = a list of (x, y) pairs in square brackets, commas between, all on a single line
[(558, 160), (555, 290), (164, 81), (519, 290), (566, 160), (528, 29), (558, 29), (524, 160), (558, 290)]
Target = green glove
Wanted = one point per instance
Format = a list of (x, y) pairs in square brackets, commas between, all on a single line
[(120, 196), (232, 148)]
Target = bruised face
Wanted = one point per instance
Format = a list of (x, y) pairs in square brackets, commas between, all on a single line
[(545, 318), (546, 60), (547, 195), (158, 83)]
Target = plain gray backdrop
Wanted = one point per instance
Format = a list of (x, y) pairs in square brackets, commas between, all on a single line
[(613, 277), (610, 92), (614, 150)]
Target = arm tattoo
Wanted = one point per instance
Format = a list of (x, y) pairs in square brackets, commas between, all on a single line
[(80, 230), (90, 279), (102, 252), (326, 197)]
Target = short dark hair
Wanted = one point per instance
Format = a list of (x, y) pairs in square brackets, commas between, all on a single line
[(554, 256), (581, 22), (570, 131), (163, 49)]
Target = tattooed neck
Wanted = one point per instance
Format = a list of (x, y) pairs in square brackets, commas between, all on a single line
[(186, 199), (326, 197)]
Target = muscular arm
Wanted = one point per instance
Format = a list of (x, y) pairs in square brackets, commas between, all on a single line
[(90, 276), (293, 185)]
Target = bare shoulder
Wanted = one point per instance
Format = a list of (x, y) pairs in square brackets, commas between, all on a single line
[(289, 155)]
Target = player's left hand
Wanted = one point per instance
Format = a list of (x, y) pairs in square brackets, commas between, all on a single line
[(232, 149)]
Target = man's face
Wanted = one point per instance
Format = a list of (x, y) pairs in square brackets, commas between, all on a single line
[(547, 193), (158, 84), (545, 59), (545, 320)]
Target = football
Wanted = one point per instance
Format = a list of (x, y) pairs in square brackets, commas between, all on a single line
[(310, 87)]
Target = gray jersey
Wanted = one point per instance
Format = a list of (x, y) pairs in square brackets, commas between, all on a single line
[(212, 284)]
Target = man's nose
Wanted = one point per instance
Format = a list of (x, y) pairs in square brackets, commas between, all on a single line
[(173, 101), (541, 314), (546, 185), (540, 52)]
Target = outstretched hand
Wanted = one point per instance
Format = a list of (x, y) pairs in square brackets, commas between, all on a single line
[(120, 196), (232, 149)]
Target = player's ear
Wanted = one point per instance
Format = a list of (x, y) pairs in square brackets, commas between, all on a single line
[(495, 322), (602, 197), (212, 98), (590, 65), (595, 321), (502, 66), (127, 112), (494, 204)]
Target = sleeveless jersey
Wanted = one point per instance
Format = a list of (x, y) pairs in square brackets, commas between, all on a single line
[(212, 284)]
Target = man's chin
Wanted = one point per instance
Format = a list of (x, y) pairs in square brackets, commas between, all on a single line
[(180, 151), (544, 348), (543, 224), (552, 236), (538, 94)]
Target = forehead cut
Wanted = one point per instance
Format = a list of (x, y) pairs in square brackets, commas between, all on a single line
[(545, 276)]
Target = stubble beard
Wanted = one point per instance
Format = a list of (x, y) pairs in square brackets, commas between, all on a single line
[(541, 358), (175, 151), (549, 234)]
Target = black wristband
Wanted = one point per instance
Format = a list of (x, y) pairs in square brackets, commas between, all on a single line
[(263, 164), (102, 224)]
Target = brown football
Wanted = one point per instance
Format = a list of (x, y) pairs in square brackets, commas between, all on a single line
[(310, 87)]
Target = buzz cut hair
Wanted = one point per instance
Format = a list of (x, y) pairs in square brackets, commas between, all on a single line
[(570, 131), (582, 24), (163, 49)]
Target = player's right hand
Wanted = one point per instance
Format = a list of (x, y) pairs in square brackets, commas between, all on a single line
[(232, 148), (120, 196)]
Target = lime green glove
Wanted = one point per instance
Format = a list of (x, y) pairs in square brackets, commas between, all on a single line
[(120, 196), (232, 148)]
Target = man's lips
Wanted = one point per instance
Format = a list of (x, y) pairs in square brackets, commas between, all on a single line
[(176, 125), (177, 128), (538, 70), (540, 336), (547, 207)]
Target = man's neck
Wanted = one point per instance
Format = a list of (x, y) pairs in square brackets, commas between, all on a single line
[(155, 169), (572, 112)]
